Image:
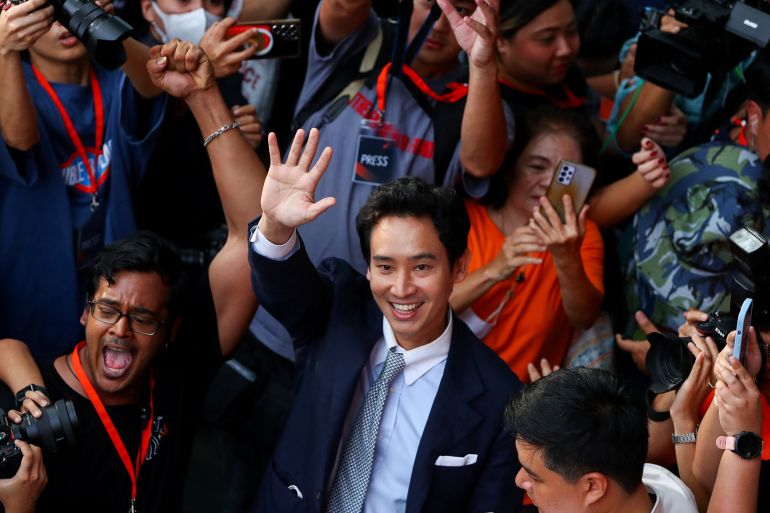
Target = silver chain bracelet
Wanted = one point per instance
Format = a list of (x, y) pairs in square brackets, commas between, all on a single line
[(219, 131)]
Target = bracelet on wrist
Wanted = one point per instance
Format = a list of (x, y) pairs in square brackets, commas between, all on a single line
[(686, 438), (22, 394), (219, 131)]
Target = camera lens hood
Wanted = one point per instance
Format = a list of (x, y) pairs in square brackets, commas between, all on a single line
[(668, 361)]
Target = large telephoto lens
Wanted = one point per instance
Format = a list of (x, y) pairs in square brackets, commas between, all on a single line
[(55, 428), (101, 33)]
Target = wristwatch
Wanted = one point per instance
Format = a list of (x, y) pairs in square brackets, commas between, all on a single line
[(745, 444), (22, 394), (687, 438)]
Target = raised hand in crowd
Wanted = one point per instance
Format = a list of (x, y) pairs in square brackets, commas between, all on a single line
[(248, 123), (514, 254), (19, 493), (226, 55), (288, 194), (686, 412), (668, 131), (476, 34), (544, 370), (740, 410), (651, 164), (23, 24), (638, 348)]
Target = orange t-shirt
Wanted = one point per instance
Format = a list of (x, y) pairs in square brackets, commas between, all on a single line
[(532, 324)]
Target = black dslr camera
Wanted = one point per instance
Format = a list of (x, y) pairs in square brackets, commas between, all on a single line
[(669, 361), (720, 34), (100, 32), (53, 429)]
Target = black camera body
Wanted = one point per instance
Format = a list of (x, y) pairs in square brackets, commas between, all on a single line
[(101, 33), (669, 361), (55, 428), (720, 34)]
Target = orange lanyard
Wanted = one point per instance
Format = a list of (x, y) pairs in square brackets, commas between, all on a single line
[(456, 91), (96, 90), (133, 471), (572, 101)]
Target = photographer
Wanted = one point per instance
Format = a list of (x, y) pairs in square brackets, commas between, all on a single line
[(76, 141), (681, 256)]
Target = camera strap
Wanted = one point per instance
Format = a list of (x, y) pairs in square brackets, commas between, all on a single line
[(96, 91), (112, 432)]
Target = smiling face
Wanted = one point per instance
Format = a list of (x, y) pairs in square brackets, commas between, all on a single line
[(540, 53), (116, 358), (411, 278), (439, 52), (535, 167)]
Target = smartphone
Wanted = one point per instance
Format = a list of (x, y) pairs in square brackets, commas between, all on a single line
[(573, 179), (742, 332), (275, 39)]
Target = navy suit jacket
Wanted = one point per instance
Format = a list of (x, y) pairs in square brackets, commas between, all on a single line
[(332, 311)]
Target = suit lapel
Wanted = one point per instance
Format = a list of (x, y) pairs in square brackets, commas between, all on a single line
[(452, 418)]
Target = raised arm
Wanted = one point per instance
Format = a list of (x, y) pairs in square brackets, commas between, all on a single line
[(184, 71), (621, 199), (20, 26), (338, 19), (483, 132)]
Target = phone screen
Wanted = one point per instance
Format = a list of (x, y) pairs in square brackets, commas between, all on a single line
[(742, 331)]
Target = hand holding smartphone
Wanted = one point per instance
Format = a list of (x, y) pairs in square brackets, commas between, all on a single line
[(572, 179), (273, 38), (740, 348)]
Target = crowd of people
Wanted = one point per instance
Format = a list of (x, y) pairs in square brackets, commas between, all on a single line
[(340, 283)]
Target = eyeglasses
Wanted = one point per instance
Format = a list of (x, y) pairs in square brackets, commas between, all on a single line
[(136, 323)]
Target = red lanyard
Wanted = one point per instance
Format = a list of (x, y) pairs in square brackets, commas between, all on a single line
[(96, 90), (110, 427), (456, 91), (572, 101)]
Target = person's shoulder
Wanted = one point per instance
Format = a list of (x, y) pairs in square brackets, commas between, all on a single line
[(671, 492), (492, 369)]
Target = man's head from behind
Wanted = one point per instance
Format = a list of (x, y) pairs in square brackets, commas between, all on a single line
[(133, 295), (414, 238), (581, 437)]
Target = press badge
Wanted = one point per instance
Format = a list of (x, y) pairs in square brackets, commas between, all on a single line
[(375, 155)]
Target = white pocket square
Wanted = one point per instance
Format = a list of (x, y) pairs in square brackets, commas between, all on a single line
[(456, 461)]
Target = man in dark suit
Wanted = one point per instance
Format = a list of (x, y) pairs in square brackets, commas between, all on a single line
[(400, 405)]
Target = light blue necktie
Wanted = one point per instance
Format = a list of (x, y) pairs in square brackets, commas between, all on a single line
[(355, 468)]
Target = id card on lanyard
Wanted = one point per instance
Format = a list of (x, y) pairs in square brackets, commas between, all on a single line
[(131, 468), (376, 142), (89, 238)]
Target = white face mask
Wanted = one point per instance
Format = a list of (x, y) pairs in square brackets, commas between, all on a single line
[(189, 26)]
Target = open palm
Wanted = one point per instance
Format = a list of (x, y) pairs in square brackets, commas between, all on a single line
[(476, 34), (288, 193)]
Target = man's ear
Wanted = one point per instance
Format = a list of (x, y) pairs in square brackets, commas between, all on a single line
[(84, 317), (594, 486), (460, 270), (754, 113)]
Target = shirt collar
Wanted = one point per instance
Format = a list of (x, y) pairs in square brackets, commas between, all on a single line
[(420, 359)]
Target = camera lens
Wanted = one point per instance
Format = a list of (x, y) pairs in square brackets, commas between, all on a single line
[(55, 426)]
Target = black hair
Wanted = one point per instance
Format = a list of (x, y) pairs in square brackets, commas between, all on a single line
[(544, 119), (142, 252), (412, 197), (515, 14), (583, 420)]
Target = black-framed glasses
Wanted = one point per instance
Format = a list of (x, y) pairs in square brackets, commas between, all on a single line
[(137, 323)]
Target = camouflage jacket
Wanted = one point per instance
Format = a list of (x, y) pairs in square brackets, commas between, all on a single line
[(681, 256)]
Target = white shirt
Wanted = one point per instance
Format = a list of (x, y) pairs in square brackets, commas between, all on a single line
[(671, 494)]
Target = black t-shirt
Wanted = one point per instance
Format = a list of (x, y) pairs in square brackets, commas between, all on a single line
[(571, 94), (90, 476)]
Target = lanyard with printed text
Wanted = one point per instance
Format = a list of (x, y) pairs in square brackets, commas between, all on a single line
[(133, 471), (73, 134)]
